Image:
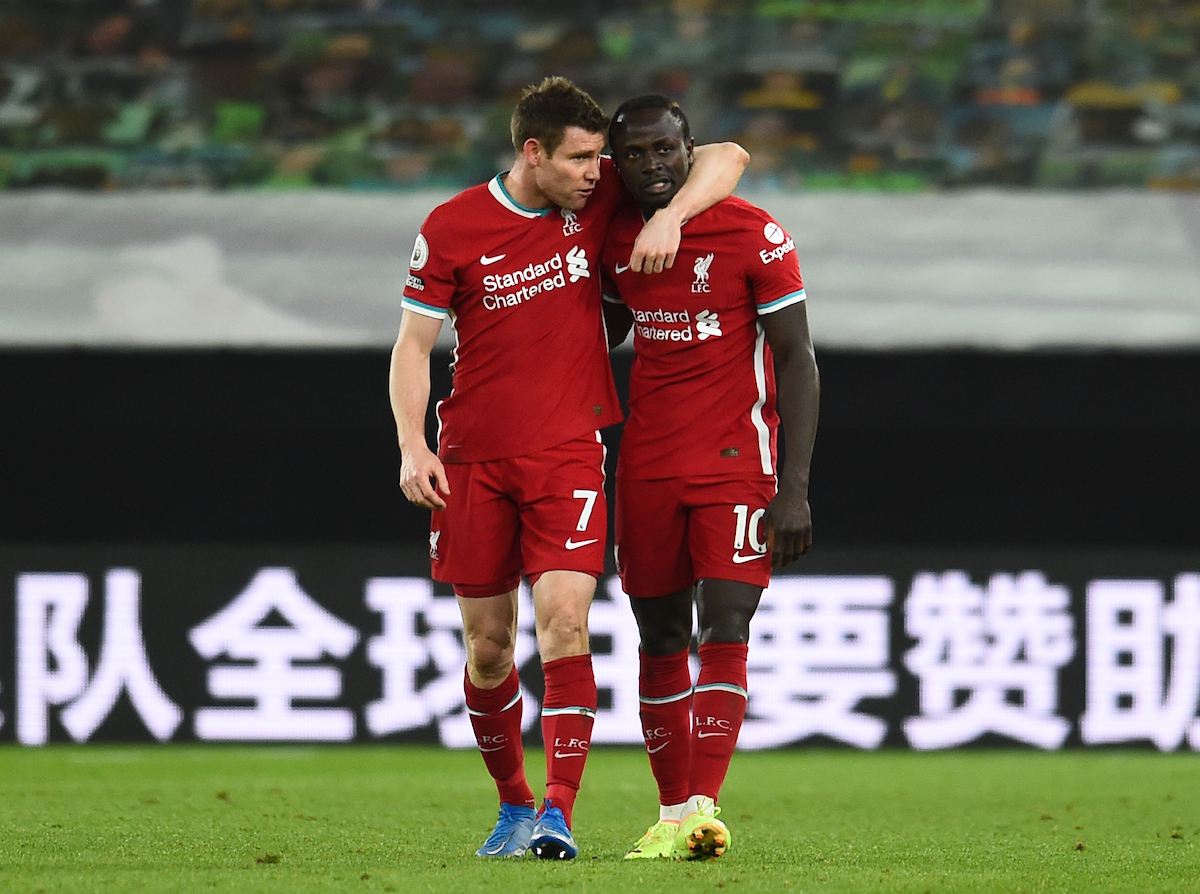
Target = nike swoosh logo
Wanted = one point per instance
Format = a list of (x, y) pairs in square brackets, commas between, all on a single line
[(739, 559), (619, 269), (485, 260), (703, 735), (657, 748), (571, 544), (568, 754), (490, 750), (500, 847)]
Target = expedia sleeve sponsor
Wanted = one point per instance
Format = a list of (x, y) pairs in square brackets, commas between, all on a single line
[(778, 252)]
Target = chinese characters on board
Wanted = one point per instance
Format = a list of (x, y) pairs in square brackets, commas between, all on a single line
[(985, 658)]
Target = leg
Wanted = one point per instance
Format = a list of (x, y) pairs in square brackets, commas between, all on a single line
[(653, 560), (493, 692), (665, 693), (719, 707), (719, 704), (729, 555), (563, 522), (561, 602), (725, 537), (665, 708)]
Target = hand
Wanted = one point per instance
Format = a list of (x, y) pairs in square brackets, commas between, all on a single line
[(657, 244), (422, 475), (788, 524)]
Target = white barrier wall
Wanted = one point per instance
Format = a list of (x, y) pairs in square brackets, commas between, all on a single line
[(979, 268)]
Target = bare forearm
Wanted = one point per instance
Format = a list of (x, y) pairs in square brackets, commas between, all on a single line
[(799, 386), (714, 175), (408, 388), (422, 477)]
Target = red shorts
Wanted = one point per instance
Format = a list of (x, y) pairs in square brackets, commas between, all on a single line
[(673, 532), (537, 513)]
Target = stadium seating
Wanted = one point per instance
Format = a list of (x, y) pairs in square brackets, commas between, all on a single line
[(401, 94)]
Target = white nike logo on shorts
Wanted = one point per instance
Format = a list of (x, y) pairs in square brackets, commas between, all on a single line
[(490, 750), (619, 269), (657, 748), (739, 559), (703, 735), (485, 260), (571, 544), (568, 754)]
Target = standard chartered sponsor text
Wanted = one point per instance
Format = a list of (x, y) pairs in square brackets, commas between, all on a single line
[(654, 333), (532, 280)]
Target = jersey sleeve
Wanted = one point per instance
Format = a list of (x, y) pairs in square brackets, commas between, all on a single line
[(430, 283), (774, 267)]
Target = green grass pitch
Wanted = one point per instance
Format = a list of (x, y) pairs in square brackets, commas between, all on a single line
[(408, 819)]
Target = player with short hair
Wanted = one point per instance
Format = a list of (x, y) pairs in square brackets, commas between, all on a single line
[(517, 483), (703, 510)]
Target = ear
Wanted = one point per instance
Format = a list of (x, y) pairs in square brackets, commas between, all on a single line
[(532, 152), (691, 151)]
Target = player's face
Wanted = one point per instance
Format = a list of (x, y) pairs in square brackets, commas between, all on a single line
[(567, 177), (652, 156)]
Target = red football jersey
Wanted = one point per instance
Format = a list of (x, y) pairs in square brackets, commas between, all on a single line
[(521, 287), (702, 389)]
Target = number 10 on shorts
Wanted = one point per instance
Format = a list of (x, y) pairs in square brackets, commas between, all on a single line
[(748, 524)]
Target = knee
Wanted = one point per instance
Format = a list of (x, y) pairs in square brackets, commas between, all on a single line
[(564, 632), (725, 609), (663, 639), (728, 627), (561, 602), (664, 622), (490, 653)]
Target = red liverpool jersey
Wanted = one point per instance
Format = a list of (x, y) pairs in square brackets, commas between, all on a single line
[(702, 389), (521, 287)]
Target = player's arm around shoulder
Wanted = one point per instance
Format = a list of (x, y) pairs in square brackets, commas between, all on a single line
[(422, 475), (714, 175), (798, 385)]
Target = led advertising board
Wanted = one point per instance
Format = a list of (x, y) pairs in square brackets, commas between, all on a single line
[(855, 648)]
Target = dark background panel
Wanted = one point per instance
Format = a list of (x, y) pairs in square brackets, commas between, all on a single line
[(937, 449)]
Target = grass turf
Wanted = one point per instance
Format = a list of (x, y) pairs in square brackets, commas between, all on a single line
[(408, 819)]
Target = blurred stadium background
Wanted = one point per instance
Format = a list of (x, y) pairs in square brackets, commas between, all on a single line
[(378, 94), (206, 210)]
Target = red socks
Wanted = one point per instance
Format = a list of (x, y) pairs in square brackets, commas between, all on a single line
[(568, 713), (665, 696), (682, 767), (718, 708), (496, 719)]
